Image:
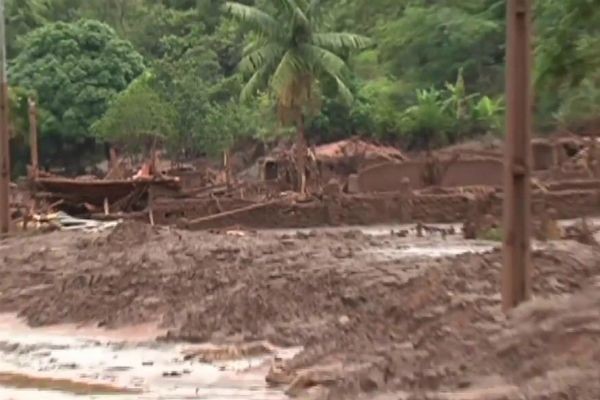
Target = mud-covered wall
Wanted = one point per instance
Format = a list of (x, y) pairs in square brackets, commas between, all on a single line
[(170, 211), (545, 156), (487, 172), (562, 175), (574, 184), (570, 203), (369, 209), (387, 177), (190, 179)]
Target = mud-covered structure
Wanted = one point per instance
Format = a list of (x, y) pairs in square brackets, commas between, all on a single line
[(357, 183)]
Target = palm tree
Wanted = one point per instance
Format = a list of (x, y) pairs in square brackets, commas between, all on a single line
[(289, 56)]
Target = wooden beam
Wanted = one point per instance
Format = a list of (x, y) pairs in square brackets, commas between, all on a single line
[(516, 275)]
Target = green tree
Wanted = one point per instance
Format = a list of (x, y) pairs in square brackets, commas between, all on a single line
[(428, 121), (23, 16), (75, 69), (290, 56), (430, 44), (137, 116), (194, 49), (567, 61), (191, 77)]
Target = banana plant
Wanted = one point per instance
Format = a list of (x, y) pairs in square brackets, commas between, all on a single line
[(458, 100), (427, 121), (489, 112)]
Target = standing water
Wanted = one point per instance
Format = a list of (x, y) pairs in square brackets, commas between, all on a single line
[(58, 363)]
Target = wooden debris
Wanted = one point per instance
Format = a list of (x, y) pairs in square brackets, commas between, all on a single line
[(206, 221)]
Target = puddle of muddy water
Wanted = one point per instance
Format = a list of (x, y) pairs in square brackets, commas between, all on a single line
[(373, 230), (157, 370), (411, 248), (426, 250)]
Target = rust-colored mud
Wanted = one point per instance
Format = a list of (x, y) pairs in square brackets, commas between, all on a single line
[(368, 324), (22, 381)]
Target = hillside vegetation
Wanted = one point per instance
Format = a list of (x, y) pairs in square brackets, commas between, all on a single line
[(411, 72)]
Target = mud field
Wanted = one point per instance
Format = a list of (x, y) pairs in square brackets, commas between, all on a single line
[(375, 318)]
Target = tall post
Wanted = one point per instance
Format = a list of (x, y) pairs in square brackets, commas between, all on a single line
[(33, 138), (516, 275), (4, 132)]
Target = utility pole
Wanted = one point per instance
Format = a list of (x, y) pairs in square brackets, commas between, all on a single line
[(33, 138), (4, 132), (516, 274)]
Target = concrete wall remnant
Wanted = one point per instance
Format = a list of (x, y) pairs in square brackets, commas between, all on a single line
[(388, 177)]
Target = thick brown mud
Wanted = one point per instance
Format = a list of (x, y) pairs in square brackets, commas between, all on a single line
[(424, 326)]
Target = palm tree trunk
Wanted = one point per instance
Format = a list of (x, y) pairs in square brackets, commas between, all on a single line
[(301, 154)]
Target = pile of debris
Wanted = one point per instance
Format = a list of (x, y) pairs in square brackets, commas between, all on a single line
[(112, 197), (63, 222)]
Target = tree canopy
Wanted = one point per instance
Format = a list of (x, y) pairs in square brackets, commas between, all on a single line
[(434, 73), (289, 55), (137, 115), (75, 69)]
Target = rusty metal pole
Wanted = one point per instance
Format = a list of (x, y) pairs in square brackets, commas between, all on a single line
[(516, 275), (4, 132), (33, 138)]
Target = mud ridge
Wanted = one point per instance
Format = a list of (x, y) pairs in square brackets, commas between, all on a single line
[(367, 325)]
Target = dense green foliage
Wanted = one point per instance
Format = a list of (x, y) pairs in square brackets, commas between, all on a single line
[(433, 75), (74, 70), (289, 55), (137, 116)]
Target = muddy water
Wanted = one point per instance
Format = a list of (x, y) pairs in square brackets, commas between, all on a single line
[(373, 230), (122, 359), (411, 247)]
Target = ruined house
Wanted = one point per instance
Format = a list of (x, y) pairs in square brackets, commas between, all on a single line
[(332, 161)]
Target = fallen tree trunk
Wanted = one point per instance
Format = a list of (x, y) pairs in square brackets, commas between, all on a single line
[(215, 219)]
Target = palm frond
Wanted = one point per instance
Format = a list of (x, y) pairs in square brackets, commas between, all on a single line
[(254, 18), (303, 4), (343, 90), (255, 83), (300, 19), (285, 73), (285, 5), (341, 41), (295, 9), (314, 8), (320, 59), (255, 42), (324, 61), (267, 54)]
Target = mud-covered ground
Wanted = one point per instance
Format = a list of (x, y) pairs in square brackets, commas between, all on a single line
[(372, 318)]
